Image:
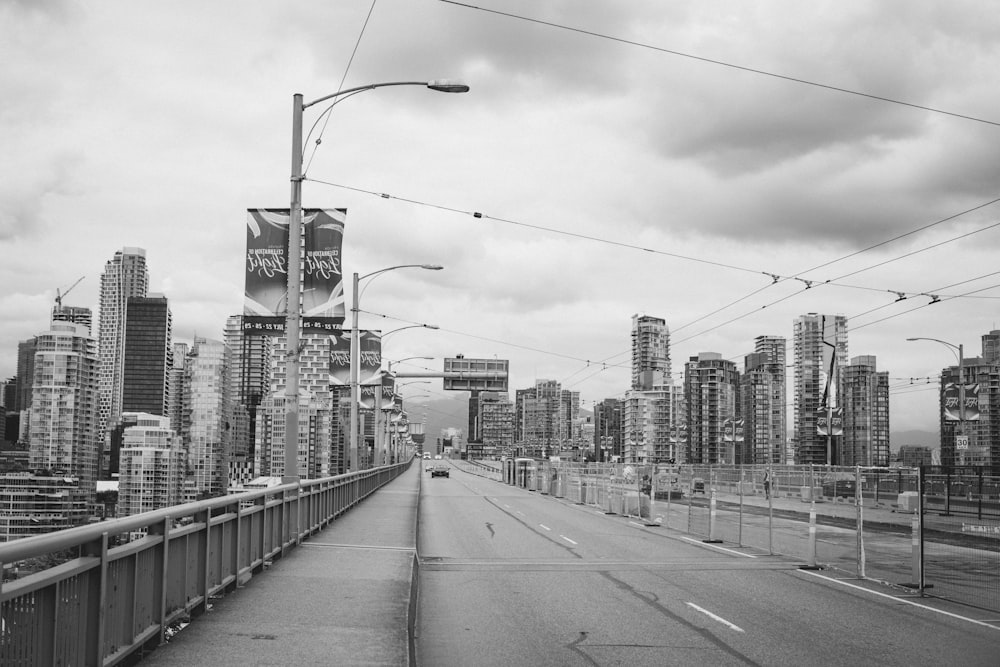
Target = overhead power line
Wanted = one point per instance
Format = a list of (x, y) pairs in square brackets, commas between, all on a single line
[(722, 63)]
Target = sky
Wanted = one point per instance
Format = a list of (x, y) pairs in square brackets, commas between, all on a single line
[(727, 166)]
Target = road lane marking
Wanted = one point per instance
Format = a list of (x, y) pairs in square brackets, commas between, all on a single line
[(520, 512), (729, 551), (714, 617), (544, 526), (567, 539), (903, 600)]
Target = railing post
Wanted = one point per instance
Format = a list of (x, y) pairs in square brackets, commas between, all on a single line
[(96, 597), (164, 579), (205, 516)]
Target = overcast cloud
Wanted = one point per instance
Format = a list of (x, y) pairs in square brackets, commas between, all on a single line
[(158, 124)]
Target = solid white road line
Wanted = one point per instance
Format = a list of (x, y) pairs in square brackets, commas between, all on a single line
[(714, 617), (715, 546), (903, 600), (567, 539)]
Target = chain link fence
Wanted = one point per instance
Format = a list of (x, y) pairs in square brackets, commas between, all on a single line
[(938, 533)]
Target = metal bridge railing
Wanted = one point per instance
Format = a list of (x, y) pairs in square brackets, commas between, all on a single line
[(105, 591)]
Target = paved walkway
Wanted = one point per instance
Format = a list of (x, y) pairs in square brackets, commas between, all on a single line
[(340, 598)]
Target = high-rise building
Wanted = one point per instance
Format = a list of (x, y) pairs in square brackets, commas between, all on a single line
[(74, 314), (207, 411), (608, 430), (991, 347), (650, 422), (25, 374), (820, 349), (495, 425), (865, 401), (763, 393), (175, 377), (125, 275), (148, 355), (544, 416), (152, 465), (711, 397), (650, 353), (64, 404), (249, 376), (316, 431)]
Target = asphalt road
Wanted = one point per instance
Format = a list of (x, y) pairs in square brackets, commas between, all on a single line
[(510, 577)]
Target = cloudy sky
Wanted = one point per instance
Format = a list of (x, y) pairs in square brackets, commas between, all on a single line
[(704, 162)]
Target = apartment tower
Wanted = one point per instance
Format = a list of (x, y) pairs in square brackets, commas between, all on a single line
[(125, 275), (62, 430), (820, 351)]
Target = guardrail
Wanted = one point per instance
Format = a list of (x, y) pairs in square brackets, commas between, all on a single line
[(107, 591)]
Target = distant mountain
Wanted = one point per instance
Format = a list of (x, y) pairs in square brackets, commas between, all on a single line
[(919, 438)]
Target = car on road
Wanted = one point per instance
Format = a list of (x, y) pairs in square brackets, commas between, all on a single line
[(441, 470)]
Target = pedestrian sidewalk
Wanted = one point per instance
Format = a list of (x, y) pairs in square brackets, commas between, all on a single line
[(342, 597)]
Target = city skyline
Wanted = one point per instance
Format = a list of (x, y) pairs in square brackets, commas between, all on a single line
[(584, 178)]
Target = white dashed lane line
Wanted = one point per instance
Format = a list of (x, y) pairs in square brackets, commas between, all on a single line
[(567, 539), (544, 526), (714, 617)]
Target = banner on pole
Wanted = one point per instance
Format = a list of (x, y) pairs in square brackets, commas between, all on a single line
[(836, 422), (322, 279), (266, 281), (952, 402), (369, 357)]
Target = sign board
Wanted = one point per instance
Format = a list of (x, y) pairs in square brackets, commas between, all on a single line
[(461, 374), (961, 442)]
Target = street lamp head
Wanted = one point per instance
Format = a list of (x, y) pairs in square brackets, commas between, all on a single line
[(431, 267), (447, 86)]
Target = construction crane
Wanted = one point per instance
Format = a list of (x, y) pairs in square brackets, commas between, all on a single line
[(59, 296)]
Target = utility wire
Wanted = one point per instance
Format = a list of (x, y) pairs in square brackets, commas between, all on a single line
[(326, 121), (722, 63), (479, 215), (776, 278)]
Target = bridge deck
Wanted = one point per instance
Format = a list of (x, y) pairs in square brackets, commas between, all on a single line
[(340, 598)]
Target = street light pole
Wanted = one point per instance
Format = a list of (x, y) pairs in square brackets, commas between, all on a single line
[(355, 353), (960, 352), (292, 316)]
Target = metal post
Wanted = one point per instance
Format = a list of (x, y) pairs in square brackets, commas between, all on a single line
[(352, 460), (292, 317), (859, 509), (811, 556), (921, 584), (379, 439)]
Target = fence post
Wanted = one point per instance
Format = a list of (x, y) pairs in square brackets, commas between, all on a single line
[(739, 531), (811, 549), (947, 492), (711, 521), (980, 474), (921, 584), (860, 512)]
